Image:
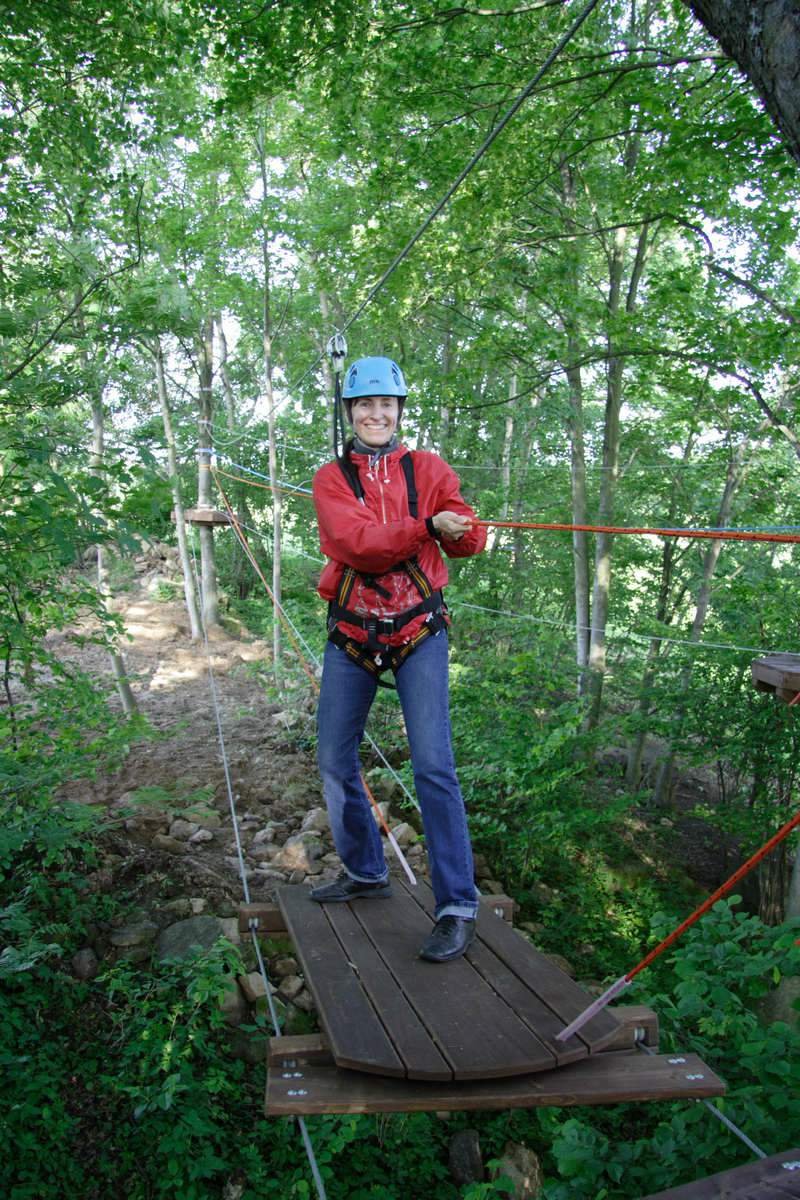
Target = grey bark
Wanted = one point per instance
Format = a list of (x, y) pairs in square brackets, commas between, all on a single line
[(763, 37), (189, 593), (208, 566)]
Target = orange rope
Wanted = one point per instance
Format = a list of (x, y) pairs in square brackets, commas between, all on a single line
[(306, 667), (720, 535)]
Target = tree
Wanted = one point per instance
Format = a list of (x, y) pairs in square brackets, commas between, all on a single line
[(763, 36)]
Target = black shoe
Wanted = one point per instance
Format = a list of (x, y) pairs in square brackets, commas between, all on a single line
[(346, 888), (450, 937)]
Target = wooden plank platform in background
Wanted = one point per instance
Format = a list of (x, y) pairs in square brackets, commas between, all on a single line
[(609, 1078), (204, 516), (773, 1178), (493, 1013), (777, 673)]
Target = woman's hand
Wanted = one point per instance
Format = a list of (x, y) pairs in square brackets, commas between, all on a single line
[(451, 525)]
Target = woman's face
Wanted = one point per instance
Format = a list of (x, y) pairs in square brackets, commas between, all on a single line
[(375, 419)]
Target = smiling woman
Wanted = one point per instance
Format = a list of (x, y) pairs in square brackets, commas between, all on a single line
[(383, 514)]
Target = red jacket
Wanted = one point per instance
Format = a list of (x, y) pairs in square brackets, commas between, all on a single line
[(380, 533)]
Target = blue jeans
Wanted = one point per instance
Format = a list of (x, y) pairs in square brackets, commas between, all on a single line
[(345, 700)]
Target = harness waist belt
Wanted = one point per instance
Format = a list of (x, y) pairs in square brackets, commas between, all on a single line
[(386, 626)]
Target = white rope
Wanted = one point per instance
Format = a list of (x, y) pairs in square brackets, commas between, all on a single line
[(309, 1149), (718, 1113)]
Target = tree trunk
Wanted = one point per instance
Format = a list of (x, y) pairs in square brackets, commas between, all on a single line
[(763, 37), (189, 593), (266, 336), (127, 698), (737, 469), (208, 566)]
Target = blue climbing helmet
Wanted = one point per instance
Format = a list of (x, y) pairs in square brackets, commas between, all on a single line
[(373, 377)]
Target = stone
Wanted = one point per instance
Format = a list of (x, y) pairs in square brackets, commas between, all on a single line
[(264, 852), (304, 1001), (268, 875), (282, 967), (252, 986), (233, 1004), (492, 887), (182, 830), (197, 905), (481, 865), (299, 852), (184, 937), (383, 806), (464, 1156), (289, 987), (405, 834), (267, 834), (206, 818), (143, 933), (181, 906), (316, 821), (297, 876), (564, 964), (230, 930), (522, 1167), (202, 835), (172, 846), (84, 964)]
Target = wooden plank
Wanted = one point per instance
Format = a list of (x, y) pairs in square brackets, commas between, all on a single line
[(635, 1021), (602, 1079), (562, 995), (269, 916), (353, 1028), (289, 1049), (501, 905), (765, 1179), (475, 1030), (410, 1038), (312, 1047), (204, 516), (527, 980), (777, 673)]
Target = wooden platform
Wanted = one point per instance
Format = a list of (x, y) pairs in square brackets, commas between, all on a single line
[(303, 1080), (779, 674), (493, 1013), (773, 1178), (204, 516)]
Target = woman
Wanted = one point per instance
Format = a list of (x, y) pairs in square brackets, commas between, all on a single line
[(384, 514)]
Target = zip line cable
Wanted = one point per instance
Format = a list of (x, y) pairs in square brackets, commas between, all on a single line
[(252, 923), (626, 980), (495, 131)]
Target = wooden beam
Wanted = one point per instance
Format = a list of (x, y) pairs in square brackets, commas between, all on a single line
[(602, 1079), (270, 918), (773, 1178), (204, 516)]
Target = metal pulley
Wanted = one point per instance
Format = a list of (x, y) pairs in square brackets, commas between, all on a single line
[(337, 352)]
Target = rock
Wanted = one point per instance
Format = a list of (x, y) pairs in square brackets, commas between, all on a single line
[(143, 933), (181, 906), (182, 938), (206, 818), (267, 834), (84, 964), (282, 967), (564, 964), (268, 875), (316, 821), (230, 930), (182, 830), (466, 1163), (264, 852), (202, 835), (253, 986), (233, 1005), (405, 834), (197, 905), (532, 927), (522, 1167), (298, 853), (304, 1001), (172, 846), (492, 887), (297, 876), (289, 987), (249, 1047), (101, 881), (482, 868), (383, 805), (331, 859)]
